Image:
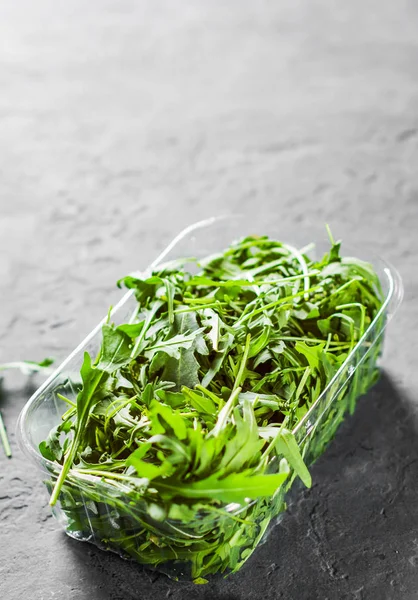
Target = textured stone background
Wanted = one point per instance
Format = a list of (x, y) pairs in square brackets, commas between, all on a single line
[(122, 121)]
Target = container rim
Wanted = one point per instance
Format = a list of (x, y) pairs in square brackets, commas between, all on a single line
[(393, 299)]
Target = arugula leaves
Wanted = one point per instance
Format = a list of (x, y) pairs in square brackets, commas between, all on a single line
[(181, 433)]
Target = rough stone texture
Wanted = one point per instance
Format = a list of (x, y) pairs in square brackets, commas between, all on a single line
[(122, 121)]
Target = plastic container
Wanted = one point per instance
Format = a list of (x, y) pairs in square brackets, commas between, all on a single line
[(84, 509)]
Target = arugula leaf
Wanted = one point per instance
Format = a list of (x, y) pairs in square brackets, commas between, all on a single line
[(217, 363), (287, 446), (172, 346), (132, 330), (245, 444), (182, 368), (51, 448), (116, 348), (163, 416), (202, 404), (311, 353), (237, 487), (258, 345), (147, 469), (91, 378)]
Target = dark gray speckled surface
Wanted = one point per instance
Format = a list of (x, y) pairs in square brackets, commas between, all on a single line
[(122, 121)]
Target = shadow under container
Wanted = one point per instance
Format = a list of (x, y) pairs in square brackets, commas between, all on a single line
[(189, 542)]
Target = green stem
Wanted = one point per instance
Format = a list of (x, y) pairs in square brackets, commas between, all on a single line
[(67, 400), (290, 338), (331, 237), (104, 474), (150, 316), (224, 412), (240, 379), (227, 409), (5, 439), (304, 267), (274, 304), (69, 457), (178, 311)]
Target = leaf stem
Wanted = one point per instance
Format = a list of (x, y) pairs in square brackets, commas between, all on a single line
[(153, 311), (5, 439), (331, 237), (304, 267), (240, 379), (69, 457), (67, 400), (224, 412)]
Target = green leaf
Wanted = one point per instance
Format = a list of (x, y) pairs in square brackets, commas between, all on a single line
[(334, 255), (162, 416), (116, 349), (48, 452), (182, 368), (178, 452), (51, 448), (144, 288), (200, 581), (147, 469), (271, 400), (325, 326), (307, 310), (263, 357), (286, 445), (91, 378), (170, 292), (203, 404), (198, 280), (173, 399), (311, 353), (217, 363), (243, 449), (173, 345), (132, 330), (258, 344), (237, 487)]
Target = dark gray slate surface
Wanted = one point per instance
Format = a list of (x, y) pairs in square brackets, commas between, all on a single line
[(119, 123)]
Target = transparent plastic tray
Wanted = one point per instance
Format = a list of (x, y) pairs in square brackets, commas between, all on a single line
[(83, 509)]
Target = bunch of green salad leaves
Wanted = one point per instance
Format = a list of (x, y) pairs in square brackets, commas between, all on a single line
[(178, 447)]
